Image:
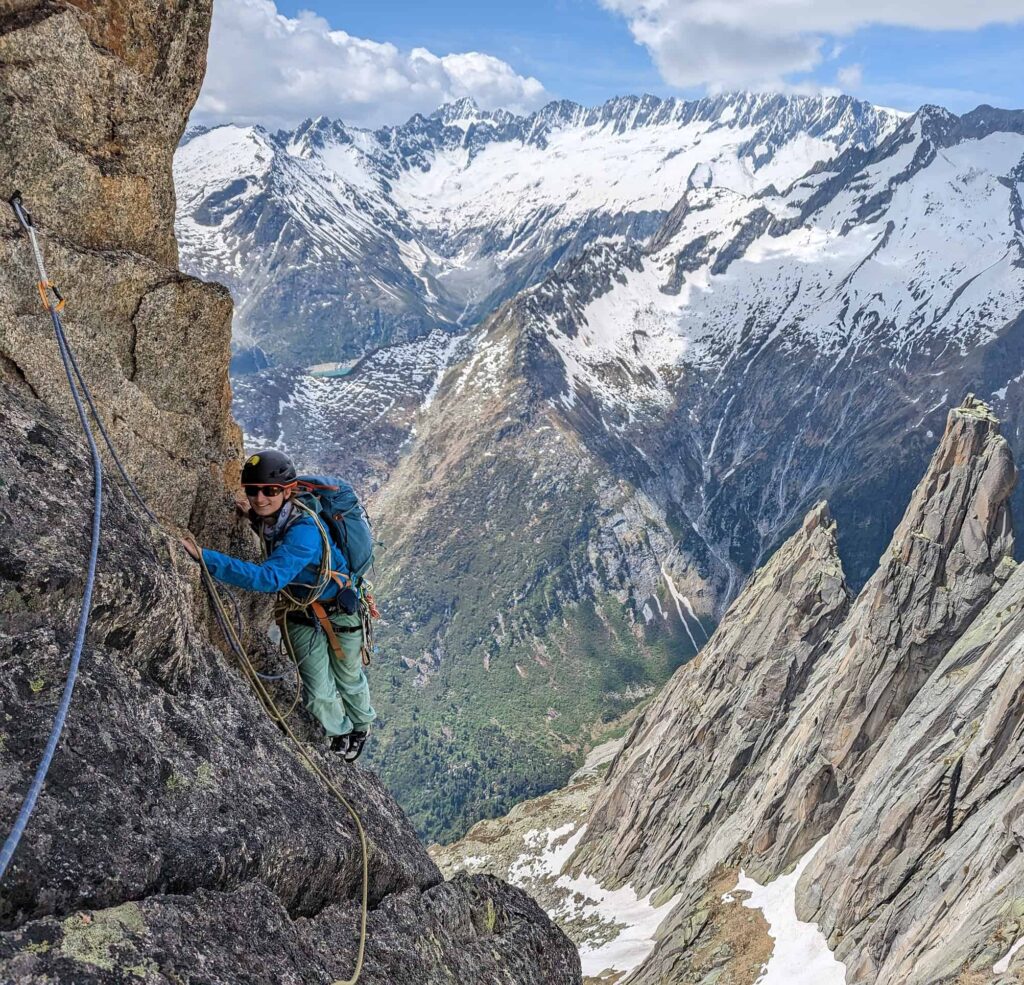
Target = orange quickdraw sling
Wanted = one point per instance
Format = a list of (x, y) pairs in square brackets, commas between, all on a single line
[(325, 620)]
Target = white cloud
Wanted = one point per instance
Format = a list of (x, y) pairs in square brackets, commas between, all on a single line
[(725, 44), (850, 76), (276, 70)]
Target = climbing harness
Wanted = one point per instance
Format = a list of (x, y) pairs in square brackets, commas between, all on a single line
[(76, 381), (289, 604)]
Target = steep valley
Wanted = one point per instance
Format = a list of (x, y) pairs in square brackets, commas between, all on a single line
[(859, 752), (571, 489)]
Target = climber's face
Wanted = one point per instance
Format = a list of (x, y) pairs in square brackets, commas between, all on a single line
[(266, 500)]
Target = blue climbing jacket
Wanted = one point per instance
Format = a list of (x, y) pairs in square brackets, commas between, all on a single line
[(293, 563)]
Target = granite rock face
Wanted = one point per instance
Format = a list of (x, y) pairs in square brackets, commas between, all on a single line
[(474, 930), (706, 736), (168, 777), (174, 808), (98, 93), (101, 166), (889, 727), (178, 834), (931, 840), (934, 579)]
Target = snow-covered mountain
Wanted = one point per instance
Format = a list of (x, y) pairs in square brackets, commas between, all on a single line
[(916, 246), (764, 348), (335, 240)]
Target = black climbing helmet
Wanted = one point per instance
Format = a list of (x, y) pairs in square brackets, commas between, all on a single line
[(268, 468)]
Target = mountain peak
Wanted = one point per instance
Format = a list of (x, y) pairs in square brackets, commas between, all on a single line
[(699, 741), (933, 122), (462, 109), (314, 134), (939, 571), (931, 111)]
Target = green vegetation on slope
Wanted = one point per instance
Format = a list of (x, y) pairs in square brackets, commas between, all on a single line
[(479, 736), (509, 641), (514, 637)]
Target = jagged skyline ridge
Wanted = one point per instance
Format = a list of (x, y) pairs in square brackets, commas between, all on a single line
[(452, 240), (646, 107), (279, 63)]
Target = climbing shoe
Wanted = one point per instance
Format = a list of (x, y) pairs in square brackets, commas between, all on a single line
[(339, 744), (356, 741)]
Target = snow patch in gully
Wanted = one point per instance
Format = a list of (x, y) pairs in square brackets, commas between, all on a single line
[(636, 920), (801, 955)]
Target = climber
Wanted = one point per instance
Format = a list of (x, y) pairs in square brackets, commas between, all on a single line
[(335, 689)]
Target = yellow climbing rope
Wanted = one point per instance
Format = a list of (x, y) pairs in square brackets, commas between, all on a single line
[(325, 576), (273, 712), (323, 579), (268, 702)]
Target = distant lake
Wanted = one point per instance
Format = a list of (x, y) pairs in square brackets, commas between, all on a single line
[(331, 370)]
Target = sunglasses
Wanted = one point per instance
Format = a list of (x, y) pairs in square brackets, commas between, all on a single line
[(269, 491)]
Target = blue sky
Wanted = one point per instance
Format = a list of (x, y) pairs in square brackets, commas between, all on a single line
[(366, 63)]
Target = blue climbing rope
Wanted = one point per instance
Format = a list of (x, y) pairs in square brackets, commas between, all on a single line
[(54, 304), (32, 795)]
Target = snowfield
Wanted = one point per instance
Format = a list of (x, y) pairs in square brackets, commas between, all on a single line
[(634, 921), (918, 254), (465, 207)]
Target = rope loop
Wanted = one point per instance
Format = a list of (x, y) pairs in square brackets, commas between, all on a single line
[(77, 382)]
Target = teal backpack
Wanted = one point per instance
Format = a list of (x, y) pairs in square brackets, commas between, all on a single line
[(336, 503)]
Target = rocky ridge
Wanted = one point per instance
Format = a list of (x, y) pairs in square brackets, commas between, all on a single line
[(933, 826), (932, 581), (860, 726), (177, 829), (95, 174), (863, 749)]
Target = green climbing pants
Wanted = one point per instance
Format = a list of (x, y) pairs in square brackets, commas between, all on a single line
[(334, 691)]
